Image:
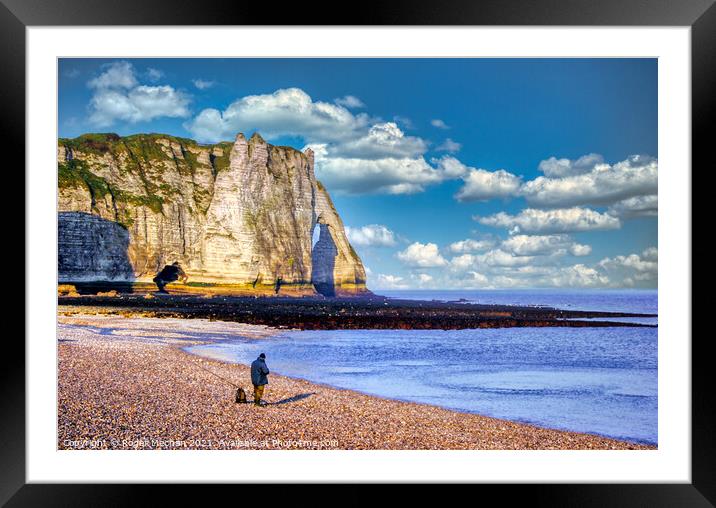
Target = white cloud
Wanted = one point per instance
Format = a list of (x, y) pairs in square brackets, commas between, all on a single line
[(387, 281), (470, 245), (154, 75), (203, 84), (406, 122), (523, 276), (476, 278), (514, 273), (499, 257), (372, 235), (490, 259), (439, 124), (563, 220), (480, 184), (360, 154), (638, 206), (548, 267), (116, 75), (354, 153), (559, 168), (422, 256), (119, 96), (449, 146), (463, 262), (350, 101), (382, 140), (451, 167), (643, 268), (632, 261), (536, 245), (388, 175), (650, 254), (579, 249), (423, 278), (468, 280), (288, 111), (602, 184), (575, 276)]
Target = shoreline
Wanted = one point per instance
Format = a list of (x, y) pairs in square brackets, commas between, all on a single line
[(126, 383)]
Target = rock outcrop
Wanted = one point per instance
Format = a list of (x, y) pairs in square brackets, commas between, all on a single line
[(239, 216)]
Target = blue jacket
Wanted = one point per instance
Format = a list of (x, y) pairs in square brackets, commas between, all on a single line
[(259, 371)]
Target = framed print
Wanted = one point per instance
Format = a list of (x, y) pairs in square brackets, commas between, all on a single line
[(434, 246)]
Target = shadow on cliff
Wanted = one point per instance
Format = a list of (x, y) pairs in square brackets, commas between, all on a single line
[(323, 259), (92, 253)]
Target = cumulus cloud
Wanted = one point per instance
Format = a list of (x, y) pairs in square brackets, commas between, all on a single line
[(524, 261), (362, 176), (602, 184), (472, 272), (119, 96), (406, 122), (638, 206), (579, 249), (547, 266), (575, 276), (470, 245), (535, 245), (500, 257), (490, 259), (203, 84), (154, 75), (422, 278), (354, 153), (449, 146), (422, 256), (480, 184), (642, 267), (372, 235), (439, 124), (646, 262), (359, 154), (563, 220), (382, 140), (117, 75), (559, 168), (387, 281), (350, 102), (650, 254), (288, 111)]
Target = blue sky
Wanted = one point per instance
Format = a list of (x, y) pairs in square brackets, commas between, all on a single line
[(460, 173)]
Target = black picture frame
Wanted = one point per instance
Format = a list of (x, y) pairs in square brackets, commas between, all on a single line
[(700, 15)]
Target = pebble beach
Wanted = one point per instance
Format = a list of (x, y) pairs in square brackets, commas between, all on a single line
[(124, 382)]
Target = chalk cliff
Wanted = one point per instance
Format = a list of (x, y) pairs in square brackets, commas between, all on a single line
[(238, 216)]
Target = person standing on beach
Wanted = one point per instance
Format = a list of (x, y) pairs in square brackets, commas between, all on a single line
[(259, 373)]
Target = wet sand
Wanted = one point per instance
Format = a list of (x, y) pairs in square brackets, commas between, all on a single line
[(125, 383)]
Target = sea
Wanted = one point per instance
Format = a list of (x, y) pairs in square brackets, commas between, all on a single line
[(596, 380)]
